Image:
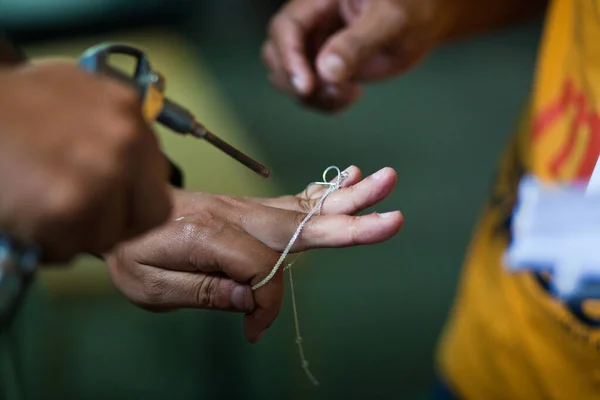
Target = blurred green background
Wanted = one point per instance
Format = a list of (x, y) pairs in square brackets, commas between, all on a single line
[(370, 316)]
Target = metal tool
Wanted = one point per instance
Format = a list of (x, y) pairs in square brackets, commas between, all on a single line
[(155, 106)]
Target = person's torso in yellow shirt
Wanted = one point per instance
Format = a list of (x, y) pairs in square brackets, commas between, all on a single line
[(508, 338)]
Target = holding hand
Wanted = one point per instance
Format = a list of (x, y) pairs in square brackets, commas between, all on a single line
[(217, 247), (80, 169), (321, 51)]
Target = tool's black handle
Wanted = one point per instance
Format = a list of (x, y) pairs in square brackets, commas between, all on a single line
[(176, 117)]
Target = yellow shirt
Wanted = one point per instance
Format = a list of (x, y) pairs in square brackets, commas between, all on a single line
[(508, 338)]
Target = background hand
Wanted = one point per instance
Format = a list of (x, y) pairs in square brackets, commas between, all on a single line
[(322, 51), (80, 169), (216, 247)]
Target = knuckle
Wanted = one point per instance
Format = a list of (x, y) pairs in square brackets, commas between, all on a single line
[(196, 238), (236, 208), (353, 232), (305, 204), (153, 289), (298, 218), (191, 232), (356, 203), (201, 226), (208, 292)]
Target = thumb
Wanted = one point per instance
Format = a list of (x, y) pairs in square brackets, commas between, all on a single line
[(219, 293), (175, 290), (157, 289), (343, 55)]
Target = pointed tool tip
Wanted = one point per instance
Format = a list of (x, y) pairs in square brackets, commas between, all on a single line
[(264, 172)]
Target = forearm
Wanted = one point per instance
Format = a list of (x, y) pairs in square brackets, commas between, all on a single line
[(467, 17)]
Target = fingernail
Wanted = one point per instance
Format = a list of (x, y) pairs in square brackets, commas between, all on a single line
[(379, 175), (240, 299), (388, 215), (299, 83), (333, 67)]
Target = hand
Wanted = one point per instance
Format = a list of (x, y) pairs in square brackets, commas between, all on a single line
[(322, 51), (80, 169), (217, 247)]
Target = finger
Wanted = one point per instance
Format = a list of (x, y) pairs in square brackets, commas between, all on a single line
[(267, 300), (345, 53), (345, 231), (332, 98), (289, 31), (187, 246), (352, 198), (321, 231), (277, 75), (288, 38), (281, 83), (150, 201), (314, 191), (327, 231), (358, 197), (328, 98), (159, 289)]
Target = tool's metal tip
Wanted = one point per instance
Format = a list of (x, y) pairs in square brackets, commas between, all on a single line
[(201, 132), (264, 171)]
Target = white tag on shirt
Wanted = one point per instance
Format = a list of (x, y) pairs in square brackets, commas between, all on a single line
[(556, 229)]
